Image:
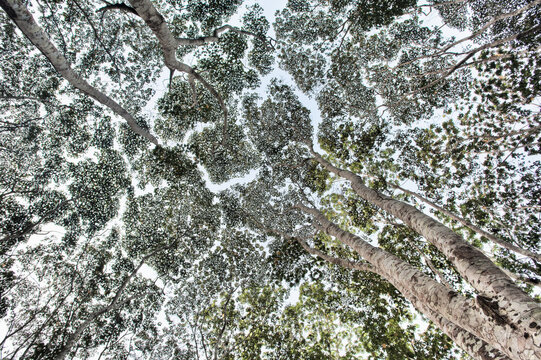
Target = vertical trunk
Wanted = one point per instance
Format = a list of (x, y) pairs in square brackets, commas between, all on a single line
[(513, 305), (454, 307), (18, 12)]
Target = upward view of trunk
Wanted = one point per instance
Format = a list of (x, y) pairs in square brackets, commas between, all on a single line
[(513, 305), (475, 347), (476, 229), (18, 12), (464, 312)]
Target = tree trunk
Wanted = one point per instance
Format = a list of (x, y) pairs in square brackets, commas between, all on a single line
[(513, 305), (474, 228), (475, 347), (463, 312)]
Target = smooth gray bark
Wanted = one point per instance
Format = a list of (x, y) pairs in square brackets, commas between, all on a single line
[(513, 305), (461, 311), (24, 20)]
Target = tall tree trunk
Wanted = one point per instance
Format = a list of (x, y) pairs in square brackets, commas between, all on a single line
[(491, 237), (473, 316), (513, 305), (20, 15), (475, 347)]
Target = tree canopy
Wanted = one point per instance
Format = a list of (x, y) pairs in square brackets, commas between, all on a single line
[(193, 180)]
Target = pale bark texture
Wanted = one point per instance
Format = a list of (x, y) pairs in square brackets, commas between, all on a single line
[(169, 45), (511, 303), (476, 229), (463, 312), (203, 40), (475, 347), (18, 12)]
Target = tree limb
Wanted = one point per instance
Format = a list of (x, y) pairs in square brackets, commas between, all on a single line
[(120, 6), (169, 45), (25, 21)]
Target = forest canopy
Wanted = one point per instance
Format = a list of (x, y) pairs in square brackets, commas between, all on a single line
[(193, 179)]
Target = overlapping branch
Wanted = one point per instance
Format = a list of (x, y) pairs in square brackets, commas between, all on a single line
[(469, 261)]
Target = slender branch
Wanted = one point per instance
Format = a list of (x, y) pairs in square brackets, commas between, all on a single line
[(203, 40), (476, 33), (28, 228), (98, 38), (431, 265), (120, 6), (25, 21)]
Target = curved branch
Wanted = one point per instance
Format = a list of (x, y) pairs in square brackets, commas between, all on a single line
[(203, 40), (120, 6), (25, 21), (169, 45), (476, 33)]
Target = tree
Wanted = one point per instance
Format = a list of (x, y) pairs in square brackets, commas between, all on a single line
[(455, 251), (151, 263), (68, 163)]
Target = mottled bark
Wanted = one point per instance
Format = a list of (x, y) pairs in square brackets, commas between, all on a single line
[(513, 304), (475, 347), (20, 15), (474, 228), (462, 311), (431, 265)]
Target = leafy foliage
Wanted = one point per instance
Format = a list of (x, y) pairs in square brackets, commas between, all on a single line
[(115, 248)]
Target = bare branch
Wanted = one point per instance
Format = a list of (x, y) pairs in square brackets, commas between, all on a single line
[(120, 6), (25, 21)]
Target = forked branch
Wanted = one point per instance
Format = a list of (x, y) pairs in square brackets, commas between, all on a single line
[(169, 45)]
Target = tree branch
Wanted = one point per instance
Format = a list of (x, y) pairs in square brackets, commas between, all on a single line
[(25, 21), (120, 6), (169, 45)]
